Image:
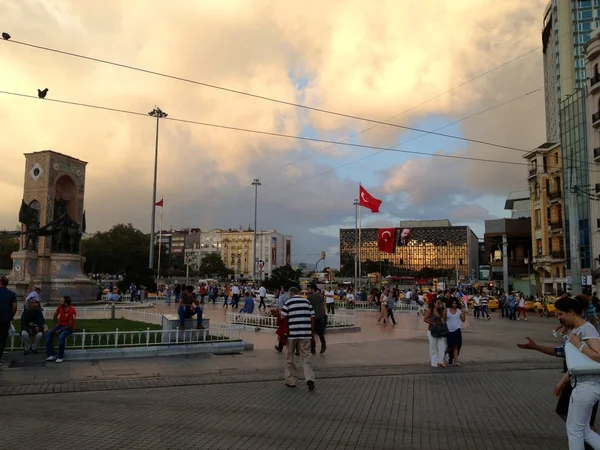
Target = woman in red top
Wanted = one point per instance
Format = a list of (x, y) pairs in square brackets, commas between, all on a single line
[(64, 317)]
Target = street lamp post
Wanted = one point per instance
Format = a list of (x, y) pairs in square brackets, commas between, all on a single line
[(159, 114), (256, 184)]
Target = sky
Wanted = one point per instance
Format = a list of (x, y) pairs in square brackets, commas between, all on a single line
[(400, 61)]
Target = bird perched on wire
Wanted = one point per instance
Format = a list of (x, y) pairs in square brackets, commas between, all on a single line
[(42, 94), (5, 36)]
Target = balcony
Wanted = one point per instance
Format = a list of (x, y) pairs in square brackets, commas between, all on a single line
[(554, 195), (532, 172), (556, 226), (597, 154), (596, 119), (595, 83), (559, 254)]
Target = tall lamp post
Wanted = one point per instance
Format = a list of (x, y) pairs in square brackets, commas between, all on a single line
[(159, 114), (256, 184)]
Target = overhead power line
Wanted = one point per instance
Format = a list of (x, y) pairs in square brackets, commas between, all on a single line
[(404, 142), (288, 136), (262, 97)]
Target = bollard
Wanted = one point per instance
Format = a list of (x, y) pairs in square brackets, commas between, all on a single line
[(112, 311)]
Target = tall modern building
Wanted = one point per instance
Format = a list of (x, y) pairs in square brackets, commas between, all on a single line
[(567, 27)]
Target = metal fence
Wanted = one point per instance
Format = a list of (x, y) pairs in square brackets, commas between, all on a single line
[(144, 338), (255, 320), (366, 306)]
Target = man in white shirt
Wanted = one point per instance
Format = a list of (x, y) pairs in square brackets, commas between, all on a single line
[(350, 299), (330, 301), (262, 293), (235, 296), (477, 306), (408, 295)]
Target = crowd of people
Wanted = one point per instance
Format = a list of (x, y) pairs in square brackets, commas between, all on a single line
[(33, 324)]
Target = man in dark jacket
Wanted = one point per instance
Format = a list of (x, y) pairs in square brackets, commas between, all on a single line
[(316, 300), (32, 325), (8, 309)]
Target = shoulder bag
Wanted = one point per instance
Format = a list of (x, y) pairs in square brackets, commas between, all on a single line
[(440, 330), (579, 363)]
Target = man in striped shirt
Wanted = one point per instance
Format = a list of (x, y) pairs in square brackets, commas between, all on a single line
[(301, 319)]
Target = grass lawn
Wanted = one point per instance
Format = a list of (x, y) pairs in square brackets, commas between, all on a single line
[(100, 325)]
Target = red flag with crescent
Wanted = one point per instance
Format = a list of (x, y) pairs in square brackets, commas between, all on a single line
[(368, 201), (387, 240)]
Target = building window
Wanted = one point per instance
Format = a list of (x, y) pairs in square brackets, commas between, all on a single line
[(539, 247), (538, 219)]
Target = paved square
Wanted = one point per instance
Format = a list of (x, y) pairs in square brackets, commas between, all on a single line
[(469, 410)]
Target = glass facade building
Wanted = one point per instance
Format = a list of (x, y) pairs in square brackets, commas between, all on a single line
[(576, 169), (442, 248)]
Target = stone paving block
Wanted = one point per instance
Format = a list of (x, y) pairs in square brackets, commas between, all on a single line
[(425, 411)]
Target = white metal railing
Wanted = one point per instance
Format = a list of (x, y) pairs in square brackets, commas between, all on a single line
[(400, 305), (255, 320), (144, 338)]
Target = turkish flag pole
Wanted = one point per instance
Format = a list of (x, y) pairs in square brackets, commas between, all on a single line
[(161, 204)]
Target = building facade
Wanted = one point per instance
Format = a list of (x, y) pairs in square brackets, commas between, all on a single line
[(272, 250), (435, 245), (592, 53), (200, 244), (519, 251), (547, 218)]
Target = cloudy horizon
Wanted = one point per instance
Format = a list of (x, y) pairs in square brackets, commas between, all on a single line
[(396, 59)]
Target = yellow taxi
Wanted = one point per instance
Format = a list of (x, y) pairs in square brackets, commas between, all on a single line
[(493, 303), (529, 305), (539, 306)]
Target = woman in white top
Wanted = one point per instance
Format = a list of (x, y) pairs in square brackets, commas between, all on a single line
[(383, 312), (521, 307), (454, 316), (586, 388)]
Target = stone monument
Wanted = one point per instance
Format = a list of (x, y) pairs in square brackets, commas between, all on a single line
[(53, 221)]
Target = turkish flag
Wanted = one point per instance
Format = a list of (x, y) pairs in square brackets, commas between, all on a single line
[(368, 201), (387, 240), (161, 203)]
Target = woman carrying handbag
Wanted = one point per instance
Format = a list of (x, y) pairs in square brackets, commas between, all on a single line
[(436, 333), (582, 353)]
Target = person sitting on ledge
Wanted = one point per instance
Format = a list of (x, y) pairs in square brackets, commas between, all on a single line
[(248, 304), (32, 324), (65, 326), (188, 306)]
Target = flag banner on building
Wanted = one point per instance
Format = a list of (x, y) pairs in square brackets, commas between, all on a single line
[(387, 240), (161, 203), (368, 201)]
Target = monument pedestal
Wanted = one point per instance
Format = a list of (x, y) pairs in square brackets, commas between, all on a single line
[(57, 274), (23, 272)]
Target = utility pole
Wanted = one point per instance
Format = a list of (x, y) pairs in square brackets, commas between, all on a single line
[(574, 236), (528, 262), (356, 248), (256, 184), (505, 263), (159, 114)]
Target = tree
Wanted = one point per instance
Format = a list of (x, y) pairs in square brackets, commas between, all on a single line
[(284, 276), (122, 250), (213, 266), (8, 244)]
